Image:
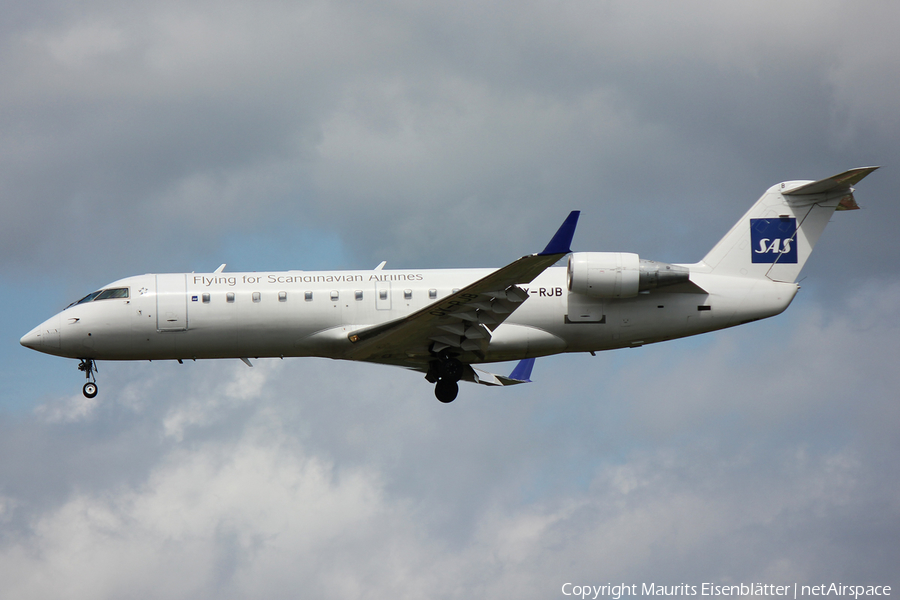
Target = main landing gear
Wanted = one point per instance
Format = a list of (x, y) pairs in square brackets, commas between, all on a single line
[(446, 390), (444, 373), (88, 367)]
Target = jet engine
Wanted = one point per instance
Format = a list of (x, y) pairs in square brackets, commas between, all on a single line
[(620, 274)]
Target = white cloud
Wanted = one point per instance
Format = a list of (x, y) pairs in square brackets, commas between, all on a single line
[(73, 408), (342, 480), (205, 519), (203, 407)]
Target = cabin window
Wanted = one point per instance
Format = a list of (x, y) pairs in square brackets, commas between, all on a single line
[(229, 296), (407, 294), (256, 296), (205, 298), (282, 296), (358, 294), (432, 293), (307, 296), (382, 294), (335, 295)]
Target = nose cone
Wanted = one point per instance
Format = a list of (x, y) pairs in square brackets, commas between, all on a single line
[(32, 339), (44, 337)]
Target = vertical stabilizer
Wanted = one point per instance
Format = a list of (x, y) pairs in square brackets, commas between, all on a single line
[(776, 236)]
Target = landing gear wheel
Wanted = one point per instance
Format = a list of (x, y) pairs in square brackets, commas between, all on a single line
[(88, 367), (446, 390)]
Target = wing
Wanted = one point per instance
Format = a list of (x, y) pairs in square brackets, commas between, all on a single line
[(460, 324)]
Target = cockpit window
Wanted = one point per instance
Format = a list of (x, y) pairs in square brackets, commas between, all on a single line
[(113, 293), (87, 298), (103, 295)]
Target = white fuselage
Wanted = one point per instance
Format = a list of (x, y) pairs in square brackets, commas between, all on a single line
[(303, 313)]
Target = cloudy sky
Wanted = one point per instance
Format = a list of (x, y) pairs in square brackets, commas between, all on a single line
[(175, 136)]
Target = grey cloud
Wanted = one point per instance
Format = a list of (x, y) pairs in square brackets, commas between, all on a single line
[(425, 123)]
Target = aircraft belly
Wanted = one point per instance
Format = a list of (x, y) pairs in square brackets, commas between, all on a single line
[(637, 321), (235, 340), (663, 316), (511, 342)]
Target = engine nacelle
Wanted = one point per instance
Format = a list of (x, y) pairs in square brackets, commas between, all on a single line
[(619, 274), (604, 274)]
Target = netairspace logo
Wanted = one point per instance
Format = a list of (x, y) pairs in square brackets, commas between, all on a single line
[(618, 591)]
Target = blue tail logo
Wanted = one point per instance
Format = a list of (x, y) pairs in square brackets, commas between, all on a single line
[(773, 240)]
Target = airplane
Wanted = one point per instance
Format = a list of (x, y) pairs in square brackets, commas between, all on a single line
[(444, 322)]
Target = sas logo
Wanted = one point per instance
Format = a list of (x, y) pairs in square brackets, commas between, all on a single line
[(773, 240)]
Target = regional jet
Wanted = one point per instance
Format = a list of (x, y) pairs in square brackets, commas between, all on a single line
[(445, 322)]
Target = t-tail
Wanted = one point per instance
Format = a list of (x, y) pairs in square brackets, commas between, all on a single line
[(777, 235)]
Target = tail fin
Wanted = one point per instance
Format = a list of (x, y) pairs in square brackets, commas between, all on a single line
[(778, 233)]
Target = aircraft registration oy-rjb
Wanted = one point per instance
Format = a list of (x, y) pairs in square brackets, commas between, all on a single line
[(443, 322)]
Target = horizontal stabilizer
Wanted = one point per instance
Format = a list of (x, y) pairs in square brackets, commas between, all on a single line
[(836, 183)]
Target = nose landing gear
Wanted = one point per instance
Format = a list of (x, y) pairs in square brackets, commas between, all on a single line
[(88, 366)]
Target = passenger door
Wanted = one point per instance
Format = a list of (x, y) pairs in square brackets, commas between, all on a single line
[(171, 302)]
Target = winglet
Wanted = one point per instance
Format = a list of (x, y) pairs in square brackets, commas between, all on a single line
[(562, 239), (522, 372)]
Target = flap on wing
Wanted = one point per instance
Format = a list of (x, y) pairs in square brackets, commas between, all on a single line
[(836, 183), (462, 322), (520, 374)]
